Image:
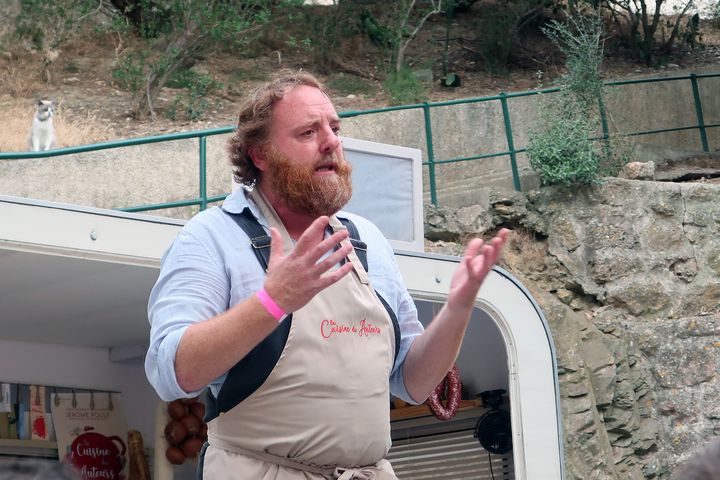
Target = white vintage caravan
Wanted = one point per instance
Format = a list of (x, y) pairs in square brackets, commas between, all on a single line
[(74, 283)]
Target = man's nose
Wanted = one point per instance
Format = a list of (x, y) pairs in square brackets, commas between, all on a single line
[(330, 141)]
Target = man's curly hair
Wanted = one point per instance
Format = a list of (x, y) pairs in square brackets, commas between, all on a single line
[(253, 126)]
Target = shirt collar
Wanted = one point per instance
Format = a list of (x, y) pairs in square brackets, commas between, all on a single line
[(239, 200)]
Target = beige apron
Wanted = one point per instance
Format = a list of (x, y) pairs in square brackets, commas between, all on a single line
[(324, 410)]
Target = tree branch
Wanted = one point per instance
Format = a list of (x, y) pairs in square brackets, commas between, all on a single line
[(403, 46)]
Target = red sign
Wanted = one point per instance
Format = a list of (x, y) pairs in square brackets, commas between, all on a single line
[(97, 456)]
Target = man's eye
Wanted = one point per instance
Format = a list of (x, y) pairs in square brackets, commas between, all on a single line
[(308, 133), (336, 130)]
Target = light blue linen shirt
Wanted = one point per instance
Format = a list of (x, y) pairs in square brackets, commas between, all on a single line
[(211, 266)]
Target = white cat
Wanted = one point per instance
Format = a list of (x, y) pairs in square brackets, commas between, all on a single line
[(42, 132)]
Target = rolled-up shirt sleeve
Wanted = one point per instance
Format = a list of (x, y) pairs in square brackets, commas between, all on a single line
[(192, 287), (410, 329)]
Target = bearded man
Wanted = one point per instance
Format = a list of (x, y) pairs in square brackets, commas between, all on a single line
[(302, 345)]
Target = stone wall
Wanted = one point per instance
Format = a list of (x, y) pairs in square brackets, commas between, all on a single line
[(628, 277)]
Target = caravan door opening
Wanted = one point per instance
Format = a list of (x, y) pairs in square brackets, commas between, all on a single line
[(507, 346)]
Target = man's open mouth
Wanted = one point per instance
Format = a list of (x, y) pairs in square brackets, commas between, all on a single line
[(326, 167)]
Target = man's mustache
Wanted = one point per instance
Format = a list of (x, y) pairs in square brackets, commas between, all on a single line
[(332, 160)]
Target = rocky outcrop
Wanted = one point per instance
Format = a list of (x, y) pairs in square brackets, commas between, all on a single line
[(628, 276), (645, 248)]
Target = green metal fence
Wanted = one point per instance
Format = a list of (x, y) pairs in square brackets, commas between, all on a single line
[(202, 200)]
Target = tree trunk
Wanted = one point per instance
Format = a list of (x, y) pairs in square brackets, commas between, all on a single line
[(179, 54)]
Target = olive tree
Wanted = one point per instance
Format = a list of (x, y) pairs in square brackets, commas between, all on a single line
[(178, 32), (640, 25)]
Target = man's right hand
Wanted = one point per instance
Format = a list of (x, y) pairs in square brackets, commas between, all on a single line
[(294, 279)]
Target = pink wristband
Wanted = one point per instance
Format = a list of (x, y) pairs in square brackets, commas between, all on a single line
[(270, 305)]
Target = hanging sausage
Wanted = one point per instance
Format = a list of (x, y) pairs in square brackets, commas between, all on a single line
[(444, 401)]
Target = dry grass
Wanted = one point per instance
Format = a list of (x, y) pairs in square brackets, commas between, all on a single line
[(525, 253), (70, 130)]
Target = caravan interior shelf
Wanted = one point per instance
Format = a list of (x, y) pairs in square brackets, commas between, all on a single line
[(415, 411), (28, 448)]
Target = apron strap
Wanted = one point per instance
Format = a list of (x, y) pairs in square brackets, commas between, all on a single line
[(359, 246), (371, 472), (360, 271), (259, 239), (376, 472)]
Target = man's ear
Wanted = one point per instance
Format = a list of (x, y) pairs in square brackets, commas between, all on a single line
[(258, 157)]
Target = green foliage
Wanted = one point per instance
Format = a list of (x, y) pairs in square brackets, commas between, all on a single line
[(149, 18), (320, 32), (404, 87), (639, 26), (502, 24), (193, 103), (71, 67), (182, 31), (393, 28), (49, 23), (581, 41), (327, 39), (153, 19), (242, 75), (129, 72), (496, 26), (563, 149), (690, 34), (349, 84), (381, 35), (562, 152), (193, 80)]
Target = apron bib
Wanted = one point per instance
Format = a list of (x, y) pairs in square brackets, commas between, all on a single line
[(324, 410)]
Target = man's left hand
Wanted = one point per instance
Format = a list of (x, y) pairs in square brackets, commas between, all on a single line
[(478, 260), (431, 355)]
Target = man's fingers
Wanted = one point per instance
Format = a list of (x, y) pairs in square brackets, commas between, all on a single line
[(335, 275), (491, 252), (333, 259), (326, 245), (473, 247), (481, 264), (498, 243), (312, 235), (488, 255)]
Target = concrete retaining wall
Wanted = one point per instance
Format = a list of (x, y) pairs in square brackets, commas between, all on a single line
[(159, 173)]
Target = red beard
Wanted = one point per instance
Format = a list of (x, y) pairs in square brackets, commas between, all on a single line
[(302, 190)]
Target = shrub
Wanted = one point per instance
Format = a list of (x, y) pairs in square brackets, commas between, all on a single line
[(650, 35), (50, 23), (404, 87), (129, 72), (563, 149), (562, 152), (346, 84), (193, 103), (497, 27)]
